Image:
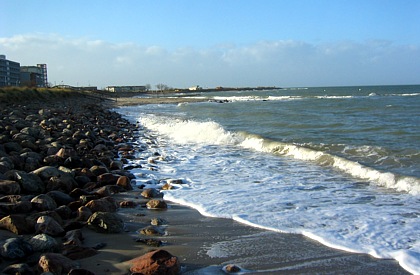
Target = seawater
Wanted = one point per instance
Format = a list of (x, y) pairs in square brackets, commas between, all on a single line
[(340, 165)]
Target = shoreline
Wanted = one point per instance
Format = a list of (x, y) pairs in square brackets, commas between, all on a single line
[(203, 245)]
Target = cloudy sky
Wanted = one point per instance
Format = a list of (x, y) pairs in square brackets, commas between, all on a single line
[(216, 42)]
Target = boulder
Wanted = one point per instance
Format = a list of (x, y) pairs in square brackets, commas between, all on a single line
[(124, 182), (73, 237), (9, 187), (60, 197), (17, 224), (64, 212), (21, 268), (48, 225), (46, 172), (56, 263), (16, 207), (15, 248), (44, 243), (156, 204), (106, 204), (107, 179), (30, 183), (105, 222), (83, 213), (151, 231), (43, 202), (156, 262), (151, 193)]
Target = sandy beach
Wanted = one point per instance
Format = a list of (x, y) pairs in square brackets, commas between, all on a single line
[(206, 245)]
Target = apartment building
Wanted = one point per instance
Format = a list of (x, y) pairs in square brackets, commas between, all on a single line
[(9, 72)]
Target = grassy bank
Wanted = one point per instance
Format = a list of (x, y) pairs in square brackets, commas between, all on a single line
[(25, 94)]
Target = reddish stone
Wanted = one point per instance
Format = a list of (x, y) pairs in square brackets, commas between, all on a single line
[(156, 262)]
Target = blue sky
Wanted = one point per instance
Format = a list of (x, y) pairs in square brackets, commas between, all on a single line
[(216, 43)]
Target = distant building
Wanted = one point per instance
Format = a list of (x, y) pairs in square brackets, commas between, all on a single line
[(122, 89), (34, 76), (194, 88), (9, 72)]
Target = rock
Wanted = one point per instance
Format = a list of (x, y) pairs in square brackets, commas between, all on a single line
[(151, 193), (167, 186), (106, 204), (46, 172), (9, 187), (156, 204), (21, 269), (127, 204), (16, 207), (44, 243), (124, 182), (15, 248), (64, 212), (116, 165), (60, 197), (231, 268), (98, 170), (151, 231), (156, 262), (65, 182), (107, 179), (65, 153), (43, 202), (157, 221), (105, 222), (17, 224), (83, 213), (30, 183), (33, 218), (150, 242), (73, 237), (48, 225), (56, 263)]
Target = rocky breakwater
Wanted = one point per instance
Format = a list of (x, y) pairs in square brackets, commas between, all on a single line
[(59, 169)]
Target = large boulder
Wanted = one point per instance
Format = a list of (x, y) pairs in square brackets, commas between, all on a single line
[(156, 262), (44, 243), (105, 222)]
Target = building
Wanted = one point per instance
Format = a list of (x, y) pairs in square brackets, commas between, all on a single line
[(34, 76), (195, 88), (9, 72), (122, 89)]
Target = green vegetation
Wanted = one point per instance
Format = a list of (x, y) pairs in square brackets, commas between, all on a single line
[(25, 94)]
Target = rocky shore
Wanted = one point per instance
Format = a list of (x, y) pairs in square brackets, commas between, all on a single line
[(61, 162), (69, 204)]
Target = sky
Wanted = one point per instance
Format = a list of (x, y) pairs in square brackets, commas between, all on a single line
[(229, 43)]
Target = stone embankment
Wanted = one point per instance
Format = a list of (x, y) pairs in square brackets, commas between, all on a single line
[(61, 162)]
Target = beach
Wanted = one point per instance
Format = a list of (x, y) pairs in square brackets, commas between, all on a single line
[(198, 241)]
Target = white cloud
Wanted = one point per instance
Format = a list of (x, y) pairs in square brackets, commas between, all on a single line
[(81, 61)]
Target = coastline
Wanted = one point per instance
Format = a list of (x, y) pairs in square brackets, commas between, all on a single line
[(205, 245)]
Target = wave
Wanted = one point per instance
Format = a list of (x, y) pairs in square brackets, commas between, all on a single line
[(211, 133)]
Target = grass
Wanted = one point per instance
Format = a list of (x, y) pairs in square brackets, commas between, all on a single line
[(25, 94)]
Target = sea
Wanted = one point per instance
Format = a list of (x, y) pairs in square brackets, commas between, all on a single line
[(340, 165)]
